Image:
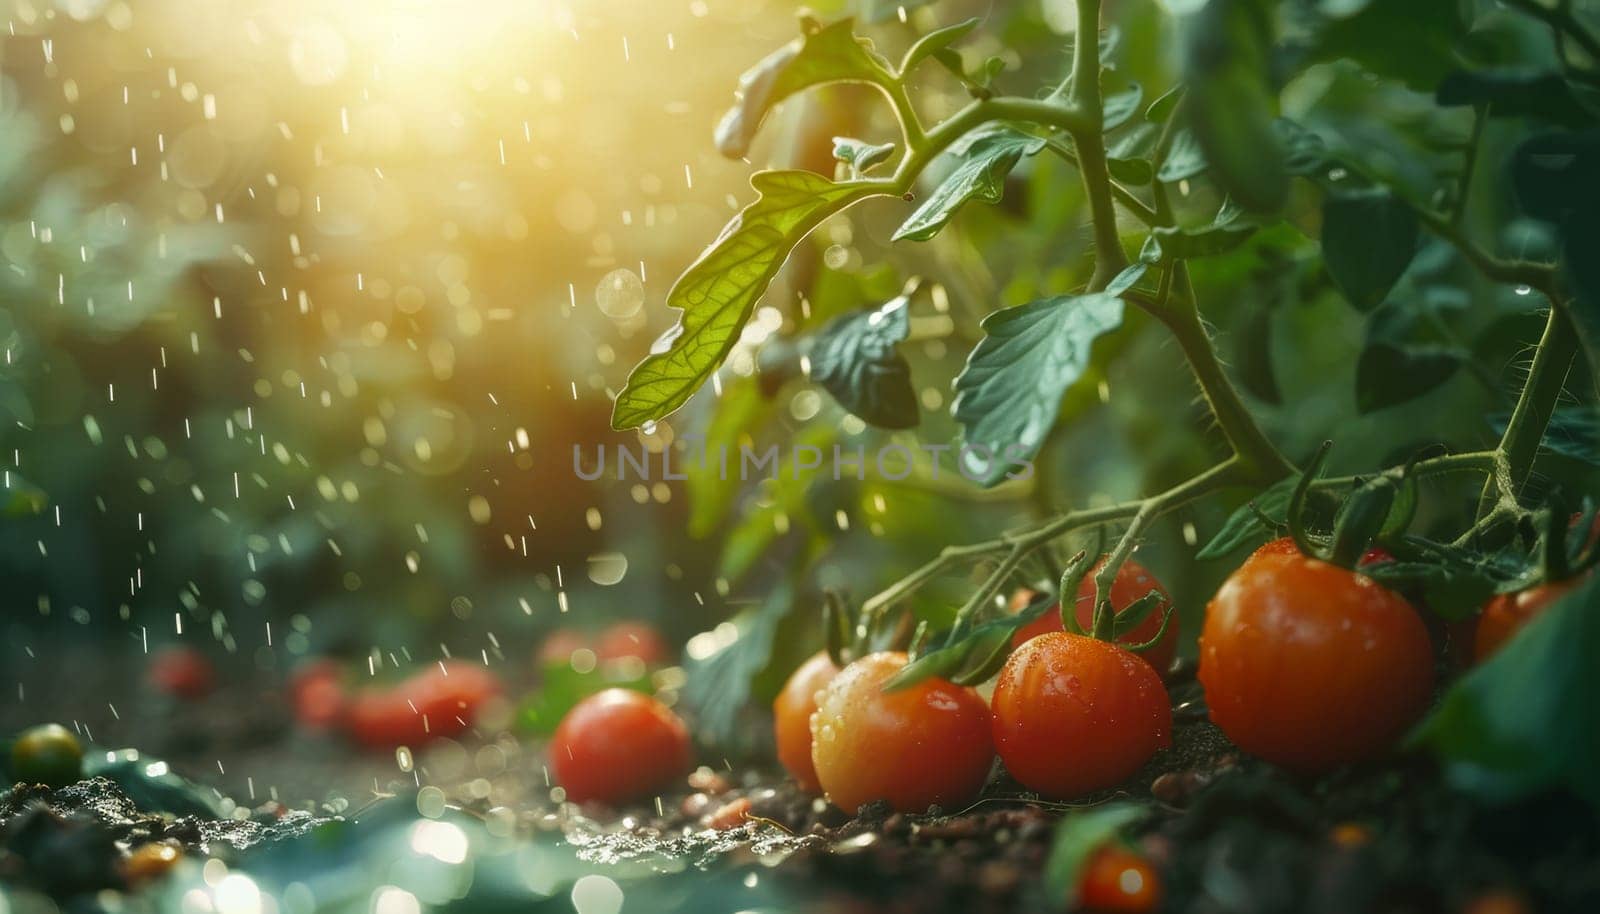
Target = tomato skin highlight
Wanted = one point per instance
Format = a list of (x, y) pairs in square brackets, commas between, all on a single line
[(618, 745), (926, 744), (1131, 584), (1073, 714), (1311, 666), (1116, 880), (791, 718)]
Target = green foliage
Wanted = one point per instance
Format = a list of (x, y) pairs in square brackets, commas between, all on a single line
[(982, 164), (1525, 720), (854, 358), (1368, 239), (1230, 103), (561, 687), (824, 54), (936, 41), (1262, 517), (1008, 395), (719, 686), (720, 289)]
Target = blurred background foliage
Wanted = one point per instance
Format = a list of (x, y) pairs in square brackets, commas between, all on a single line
[(305, 307)]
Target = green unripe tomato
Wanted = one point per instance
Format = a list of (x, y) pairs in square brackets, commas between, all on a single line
[(47, 754)]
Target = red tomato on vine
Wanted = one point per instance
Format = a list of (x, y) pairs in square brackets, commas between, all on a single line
[(1133, 581)]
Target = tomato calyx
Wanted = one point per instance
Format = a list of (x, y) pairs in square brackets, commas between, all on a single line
[(849, 634)]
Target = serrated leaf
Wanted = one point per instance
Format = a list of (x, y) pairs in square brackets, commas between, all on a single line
[(1080, 834), (830, 54), (1201, 242), (1230, 103), (984, 162), (1185, 159), (936, 41), (1245, 527), (1369, 237), (855, 359), (1121, 107), (1008, 395), (860, 155), (1526, 720), (719, 290)]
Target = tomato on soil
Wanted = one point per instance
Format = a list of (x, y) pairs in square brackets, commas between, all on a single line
[(618, 745), (926, 744), (47, 754), (791, 718), (1311, 666), (441, 700), (381, 718), (1073, 714), (182, 672), (632, 639), (1132, 582), (1116, 880)]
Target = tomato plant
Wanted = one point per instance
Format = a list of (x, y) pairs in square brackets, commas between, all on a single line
[(1310, 665), (1073, 714), (1132, 582), (618, 745), (927, 744)]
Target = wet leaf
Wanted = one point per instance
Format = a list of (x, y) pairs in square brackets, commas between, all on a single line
[(860, 155), (855, 359), (830, 54), (720, 289), (1009, 393), (983, 163)]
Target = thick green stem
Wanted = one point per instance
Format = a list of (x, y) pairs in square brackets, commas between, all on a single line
[(1260, 459), (1090, 142), (1547, 375)]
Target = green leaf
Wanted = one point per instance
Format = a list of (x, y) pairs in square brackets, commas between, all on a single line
[(1230, 103), (1450, 591), (1526, 720), (1388, 375), (1400, 360), (973, 657), (854, 358), (1556, 177), (828, 54), (1369, 237), (1515, 93), (1009, 393), (1162, 107), (1201, 242), (1185, 159), (984, 161), (936, 41), (1305, 153), (1131, 171), (860, 155), (561, 687), (1245, 527), (740, 408), (1121, 107), (1415, 41), (1080, 834), (718, 687), (720, 289)]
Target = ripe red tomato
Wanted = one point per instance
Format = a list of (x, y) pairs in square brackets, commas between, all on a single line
[(317, 692), (1116, 880), (381, 718), (926, 744), (182, 672), (1073, 714), (633, 639), (1285, 545), (1311, 666), (618, 745), (450, 694), (1507, 613), (1132, 582), (791, 718)]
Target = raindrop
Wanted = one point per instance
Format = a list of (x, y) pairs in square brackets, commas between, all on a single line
[(620, 294)]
